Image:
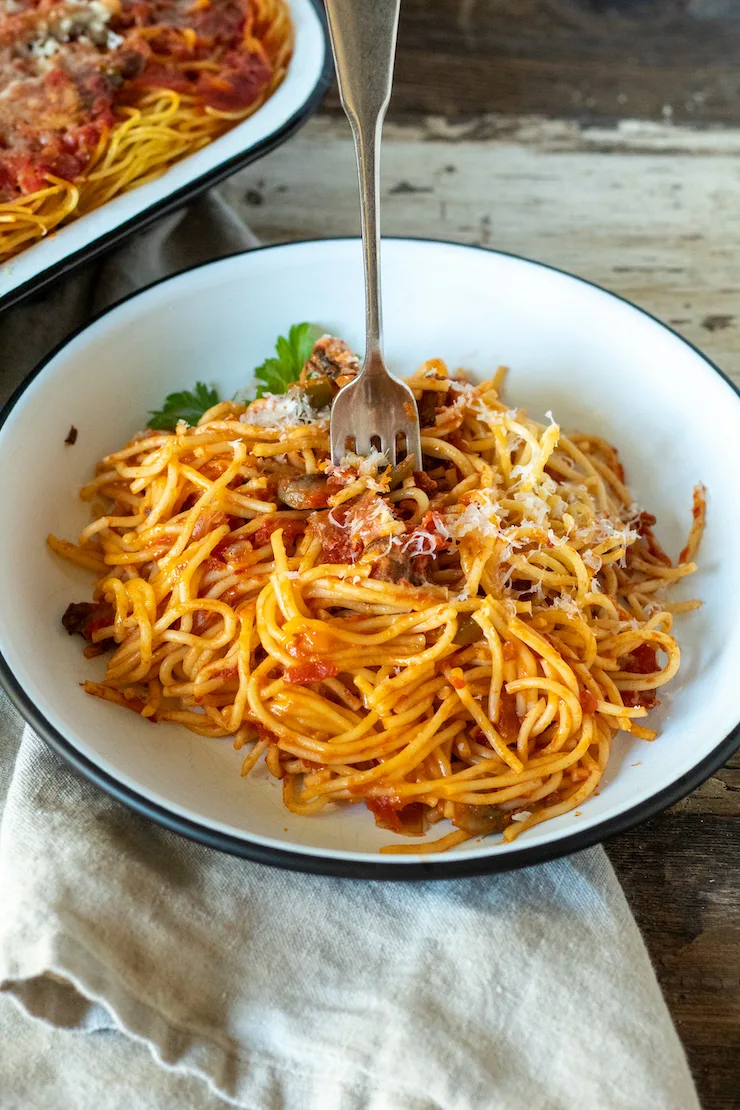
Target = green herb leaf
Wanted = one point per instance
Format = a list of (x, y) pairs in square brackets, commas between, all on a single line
[(276, 374), (189, 405)]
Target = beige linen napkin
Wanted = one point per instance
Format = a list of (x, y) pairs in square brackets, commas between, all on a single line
[(271, 990)]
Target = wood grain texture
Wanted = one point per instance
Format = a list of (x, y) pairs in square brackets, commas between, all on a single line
[(681, 876), (588, 59), (651, 212)]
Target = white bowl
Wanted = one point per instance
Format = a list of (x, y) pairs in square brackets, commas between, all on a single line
[(598, 362), (289, 107)]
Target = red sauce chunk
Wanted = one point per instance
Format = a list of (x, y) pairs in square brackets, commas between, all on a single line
[(424, 482), (588, 701), (266, 734), (302, 673), (394, 815), (646, 698), (87, 617), (291, 529), (643, 660), (203, 619), (508, 721), (214, 563), (336, 545)]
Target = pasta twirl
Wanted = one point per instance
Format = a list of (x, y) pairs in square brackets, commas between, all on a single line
[(457, 644)]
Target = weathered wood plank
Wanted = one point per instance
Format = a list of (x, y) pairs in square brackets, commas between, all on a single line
[(651, 212), (681, 875), (589, 59)]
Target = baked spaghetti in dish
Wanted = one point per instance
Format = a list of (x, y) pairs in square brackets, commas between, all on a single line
[(97, 96), (459, 641)]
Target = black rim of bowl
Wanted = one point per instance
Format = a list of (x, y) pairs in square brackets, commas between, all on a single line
[(442, 866), (188, 192)]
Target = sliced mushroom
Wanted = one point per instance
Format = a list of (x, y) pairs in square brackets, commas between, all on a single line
[(331, 357), (304, 491), (480, 820)]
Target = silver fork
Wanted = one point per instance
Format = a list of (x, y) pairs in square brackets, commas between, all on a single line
[(375, 409)]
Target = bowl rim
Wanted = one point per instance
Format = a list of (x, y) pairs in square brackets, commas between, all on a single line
[(172, 201), (443, 866)]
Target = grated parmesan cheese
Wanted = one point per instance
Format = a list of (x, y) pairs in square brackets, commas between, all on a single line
[(592, 561), (84, 21), (419, 543), (465, 396), (284, 410), (367, 468), (44, 48), (568, 604), (369, 465), (537, 509), (81, 15), (371, 518), (539, 518), (556, 541), (476, 517)]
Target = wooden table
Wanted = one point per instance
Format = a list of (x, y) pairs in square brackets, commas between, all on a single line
[(505, 132)]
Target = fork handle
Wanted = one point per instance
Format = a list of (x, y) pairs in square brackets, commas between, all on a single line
[(363, 38)]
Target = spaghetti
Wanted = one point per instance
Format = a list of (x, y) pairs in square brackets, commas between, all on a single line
[(98, 96), (457, 643)]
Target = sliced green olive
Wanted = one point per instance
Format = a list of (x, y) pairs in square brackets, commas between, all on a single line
[(404, 470), (319, 392), (468, 632)]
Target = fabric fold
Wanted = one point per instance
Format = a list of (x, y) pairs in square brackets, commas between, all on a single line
[(289, 990)]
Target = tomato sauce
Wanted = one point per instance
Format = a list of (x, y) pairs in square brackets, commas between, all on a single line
[(643, 660), (508, 721), (588, 702), (291, 529), (313, 642), (317, 671), (396, 816), (58, 105), (336, 544)]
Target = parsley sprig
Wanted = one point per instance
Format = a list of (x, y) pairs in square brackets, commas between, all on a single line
[(188, 405), (275, 375)]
